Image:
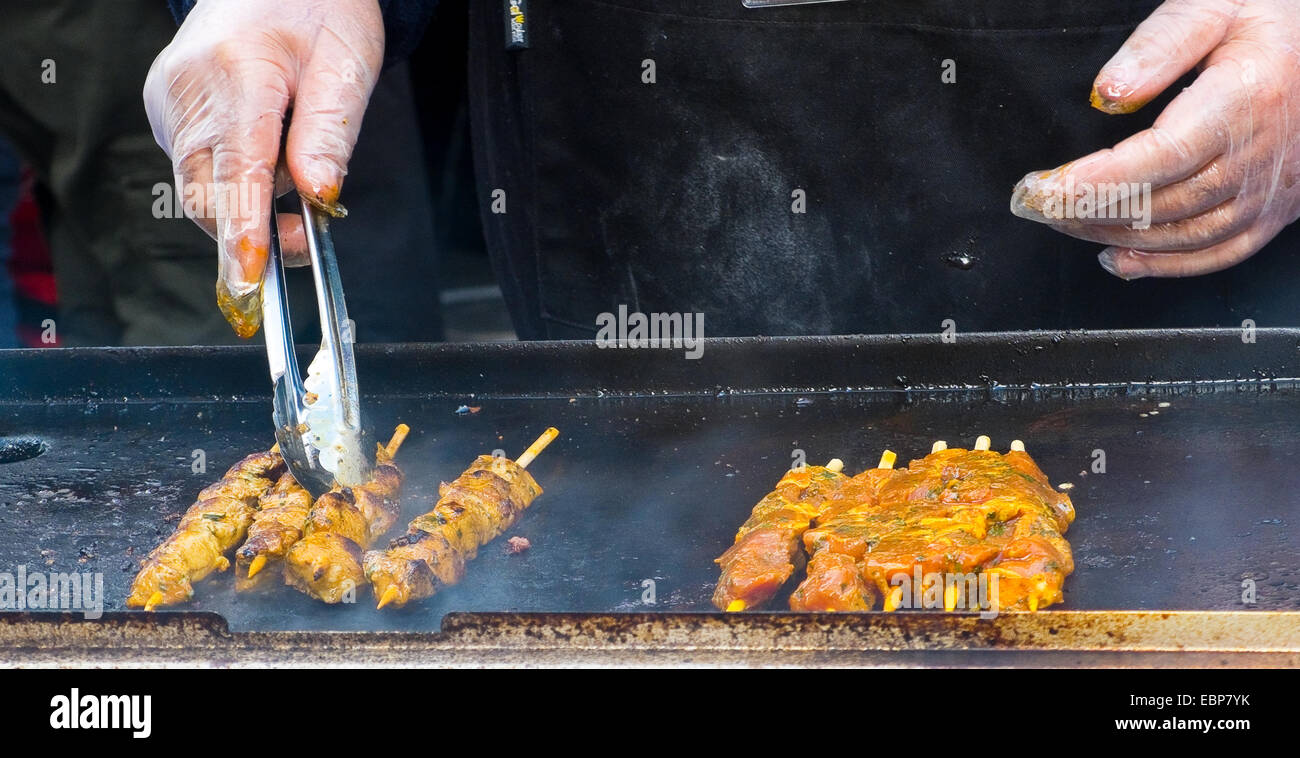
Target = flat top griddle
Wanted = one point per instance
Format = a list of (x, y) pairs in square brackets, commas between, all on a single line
[(661, 458)]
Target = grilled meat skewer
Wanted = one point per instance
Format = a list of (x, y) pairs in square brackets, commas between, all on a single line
[(767, 546), (214, 524), (326, 562), (278, 523), (477, 507)]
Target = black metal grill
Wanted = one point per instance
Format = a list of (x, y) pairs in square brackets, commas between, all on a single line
[(660, 458)]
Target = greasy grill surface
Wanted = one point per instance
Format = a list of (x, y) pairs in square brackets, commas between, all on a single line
[(1195, 499)]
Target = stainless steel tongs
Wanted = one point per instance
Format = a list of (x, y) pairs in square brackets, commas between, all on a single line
[(325, 423)]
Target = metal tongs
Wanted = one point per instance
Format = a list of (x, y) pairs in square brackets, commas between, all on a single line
[(291, 400)]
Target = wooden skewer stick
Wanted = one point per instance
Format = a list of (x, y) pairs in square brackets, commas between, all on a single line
[(1033, 596), (1017, 446), (983, 443), (893, 599), (256, 565), (950, 597), (537, 447), (399, 436), (939, 445), (887, 459)]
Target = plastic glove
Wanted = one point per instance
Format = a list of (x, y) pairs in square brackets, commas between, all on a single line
[(1219, 166), (217, 97)]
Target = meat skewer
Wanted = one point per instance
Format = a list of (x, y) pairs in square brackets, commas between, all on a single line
[(996, 515), (214, 524), (477, 507), (326, 562), (767, 546), (1032, 566), (834, 580), (962, 516), (281, 515), (955, 513)]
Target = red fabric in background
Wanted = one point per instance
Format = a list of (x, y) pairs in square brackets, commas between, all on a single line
[(31, 268)]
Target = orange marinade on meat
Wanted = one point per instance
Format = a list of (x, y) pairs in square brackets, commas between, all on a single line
[(834, 580), (954, 511), (767, 547), (834, 583)]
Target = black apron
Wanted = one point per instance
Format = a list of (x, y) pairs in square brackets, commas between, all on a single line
[(677, 196)]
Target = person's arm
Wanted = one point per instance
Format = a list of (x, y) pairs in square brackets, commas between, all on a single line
[(1218, 174), (217, 96)]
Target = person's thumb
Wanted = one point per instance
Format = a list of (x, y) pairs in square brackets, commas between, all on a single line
[(1168, 44)]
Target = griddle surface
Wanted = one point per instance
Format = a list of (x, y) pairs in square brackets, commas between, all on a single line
[(1195, 499)]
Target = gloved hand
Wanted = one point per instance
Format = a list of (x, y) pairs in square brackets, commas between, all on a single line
[(217, 97), (1222, 162)]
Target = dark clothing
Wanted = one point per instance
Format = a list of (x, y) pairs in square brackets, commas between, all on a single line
[(124, 276), (388, 256), (677, 195)]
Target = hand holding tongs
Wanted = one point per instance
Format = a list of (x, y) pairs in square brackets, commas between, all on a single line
[(334, 413)]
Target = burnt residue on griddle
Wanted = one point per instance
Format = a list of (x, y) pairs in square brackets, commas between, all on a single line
[(17, 449)]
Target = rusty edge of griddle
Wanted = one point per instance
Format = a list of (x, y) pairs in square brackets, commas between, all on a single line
[(1050, 638)]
